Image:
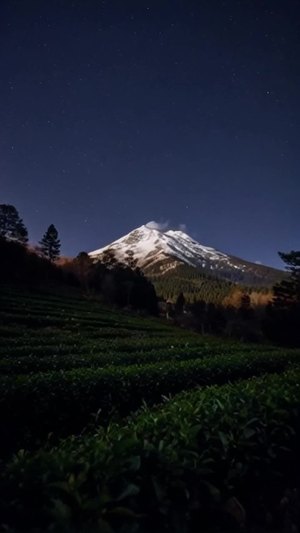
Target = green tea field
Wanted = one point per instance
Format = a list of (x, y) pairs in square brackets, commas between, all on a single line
[(116, 423)]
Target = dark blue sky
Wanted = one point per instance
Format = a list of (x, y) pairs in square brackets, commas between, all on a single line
[(114, 113)]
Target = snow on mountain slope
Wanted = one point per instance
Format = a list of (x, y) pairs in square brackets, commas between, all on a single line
[(151, 245), (158, 251)]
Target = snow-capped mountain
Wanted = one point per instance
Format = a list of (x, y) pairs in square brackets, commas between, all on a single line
[(157, 251)]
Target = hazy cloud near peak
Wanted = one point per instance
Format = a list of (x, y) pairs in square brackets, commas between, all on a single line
[(165, 226), (158, 225), (182, 227)]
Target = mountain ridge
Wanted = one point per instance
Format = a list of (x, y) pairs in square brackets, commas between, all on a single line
[(159, 250)]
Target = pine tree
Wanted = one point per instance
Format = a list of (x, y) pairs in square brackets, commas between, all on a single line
[(283, 315), (50, 244), (11, 225), (21, 233), (287, 293)]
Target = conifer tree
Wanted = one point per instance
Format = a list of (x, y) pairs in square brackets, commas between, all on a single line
[(287, 293), (50, 244), (283, 315), (11, 225), (21, 233)]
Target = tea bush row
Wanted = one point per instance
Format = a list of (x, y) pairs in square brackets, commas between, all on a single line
[(63, 402), (35, 360), (66, 359), (176, 468)]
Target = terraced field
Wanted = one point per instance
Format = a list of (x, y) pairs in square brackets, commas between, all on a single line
[(131, 424)]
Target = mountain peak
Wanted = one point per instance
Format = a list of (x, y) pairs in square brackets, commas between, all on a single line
[(154, 241), (157, 226), (158, 248)]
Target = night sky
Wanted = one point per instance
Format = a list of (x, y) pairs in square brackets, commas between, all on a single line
[(115, 113)]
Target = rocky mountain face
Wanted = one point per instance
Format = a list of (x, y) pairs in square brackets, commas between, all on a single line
[(159, 252)]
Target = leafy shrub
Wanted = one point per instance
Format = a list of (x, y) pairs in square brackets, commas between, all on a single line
[(167, 469), (63, 402)]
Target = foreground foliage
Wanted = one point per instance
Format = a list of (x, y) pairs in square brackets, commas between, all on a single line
[(213, 458), (61, 403), (283, 318), (175, 468)]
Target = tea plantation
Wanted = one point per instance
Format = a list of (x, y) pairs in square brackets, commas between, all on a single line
[(112, 422)]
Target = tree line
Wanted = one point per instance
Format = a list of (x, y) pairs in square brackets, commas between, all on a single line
[(125, 285), (13, 229), (122, 284), (276, 319)]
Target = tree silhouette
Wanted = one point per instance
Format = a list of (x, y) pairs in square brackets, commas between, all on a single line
[(11, 225), (50, 244), (245, 306), (283, 314), (83, 266), (287, 293), (180, 303)]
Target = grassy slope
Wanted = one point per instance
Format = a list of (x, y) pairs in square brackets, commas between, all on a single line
[(62, 357)]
